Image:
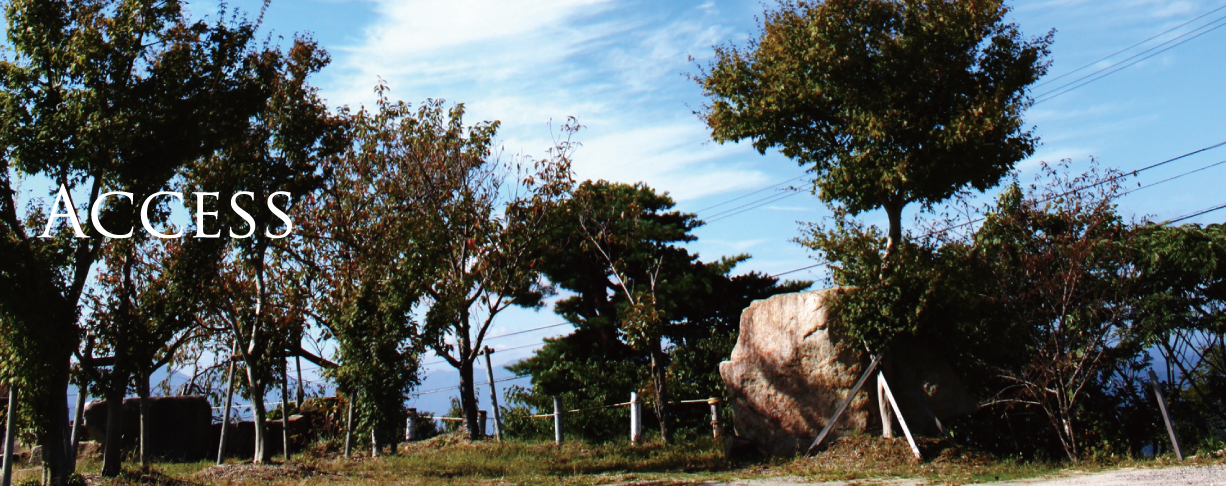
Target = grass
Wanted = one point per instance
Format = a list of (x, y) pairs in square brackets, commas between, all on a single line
[(450, 460)]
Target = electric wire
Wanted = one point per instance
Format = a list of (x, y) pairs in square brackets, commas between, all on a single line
[(1114, 68), (1113, 54), (743, 196)]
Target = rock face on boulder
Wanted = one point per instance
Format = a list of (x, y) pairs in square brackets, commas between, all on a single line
[(788, 374)]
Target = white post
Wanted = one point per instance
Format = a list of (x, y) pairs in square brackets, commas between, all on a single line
[(636, 418), (901, 422), (557, 420), (714, 402), (9, 434)]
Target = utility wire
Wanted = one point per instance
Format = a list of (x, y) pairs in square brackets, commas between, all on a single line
[(1088, 186), (1113, 54), (777, 198), (452, 388), (752, 193), (1114, 68), (1193, 215)]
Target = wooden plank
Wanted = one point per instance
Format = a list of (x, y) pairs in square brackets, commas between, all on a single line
[(1166, 417), (872, 366), (898, 413)]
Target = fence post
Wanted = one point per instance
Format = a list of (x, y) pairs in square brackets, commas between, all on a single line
[(557, 421), (1153, 379), (374, 442), (715, 431), (9, 433), (349, 426), (483, 418), (489, 371), (410, 426), (885, 387), (225, 416), (636, 418)]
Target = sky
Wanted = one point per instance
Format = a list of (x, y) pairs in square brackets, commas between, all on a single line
[(620, 68)]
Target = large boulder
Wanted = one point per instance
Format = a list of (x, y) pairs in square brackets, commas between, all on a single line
[(179, 427), (788, 374)]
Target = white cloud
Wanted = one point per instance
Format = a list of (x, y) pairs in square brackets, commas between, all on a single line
[(530, 64)]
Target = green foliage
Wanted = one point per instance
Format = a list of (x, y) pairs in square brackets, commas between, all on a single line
[(883, 303), (96, 96), (888, 102), (611, 242)]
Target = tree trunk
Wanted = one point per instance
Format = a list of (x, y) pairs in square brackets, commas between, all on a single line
[(894, 213), (225, 417), (143, 393), (112, 447), (259, 414), (468, 399), (659, 369), (51, 421)]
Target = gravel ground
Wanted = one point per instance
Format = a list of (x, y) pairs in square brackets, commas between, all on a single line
[(1171, 476)]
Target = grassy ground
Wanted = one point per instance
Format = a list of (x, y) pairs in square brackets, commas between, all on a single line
[(449, 460)]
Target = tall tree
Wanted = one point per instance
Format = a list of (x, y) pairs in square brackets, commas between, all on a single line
[(617, 247), (98, 96), (480, 222), (267, 169), (355, 235), (886, 102)]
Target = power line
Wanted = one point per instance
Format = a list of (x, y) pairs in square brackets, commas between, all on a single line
[(1088, 186), (1193, 215), (452, 388), (777, 198), (1113, 54), (752, 193), (1112, 69)]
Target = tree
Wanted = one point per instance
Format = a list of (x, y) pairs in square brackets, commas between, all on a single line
[(144, 307), (477, 222), (355, 234), (267, 168), (617, 247), (887, 102), (99, 96), (1181, 311), (1060, 281)]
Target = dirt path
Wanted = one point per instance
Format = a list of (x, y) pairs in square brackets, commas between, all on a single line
[(1170, 476)]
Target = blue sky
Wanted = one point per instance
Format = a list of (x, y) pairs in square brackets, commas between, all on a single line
[(618, 67)]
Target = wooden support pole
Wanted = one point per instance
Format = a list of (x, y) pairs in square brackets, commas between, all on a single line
[(285, 409), (374, 442), (489, 372), (410, 426), (9, 434), (298, 368), (557, 421), (1166, 417), (636, 418), (349, 427), (77, 427), (883, 407), (483, 418), (838, 413), (898, 413), (225, 416), (715, 429)]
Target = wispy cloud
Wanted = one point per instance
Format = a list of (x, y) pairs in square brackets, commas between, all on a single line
[(617, 68)]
